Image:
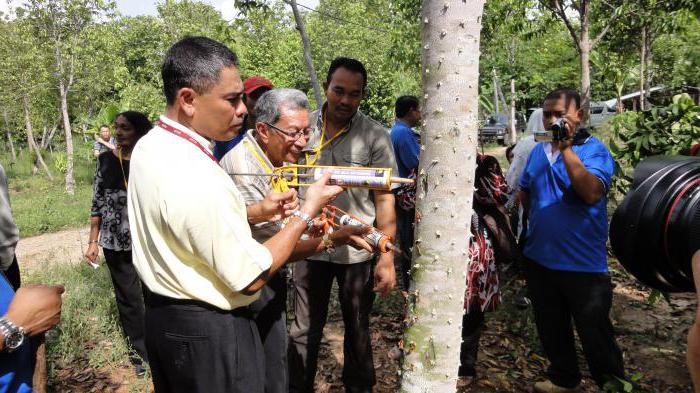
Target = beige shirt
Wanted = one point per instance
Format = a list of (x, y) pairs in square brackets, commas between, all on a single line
[(190, 234), (246, 157), (367, 144)]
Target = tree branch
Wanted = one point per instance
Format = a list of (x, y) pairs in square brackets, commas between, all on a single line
[(557, 9)]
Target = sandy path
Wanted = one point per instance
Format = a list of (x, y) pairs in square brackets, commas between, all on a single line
[(58, 247)]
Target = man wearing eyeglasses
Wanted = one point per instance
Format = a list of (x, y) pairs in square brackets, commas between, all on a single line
[(280, 133)]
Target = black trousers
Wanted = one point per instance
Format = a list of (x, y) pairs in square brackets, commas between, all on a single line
[(312, 288), (194, 347), (405, 233), (557, 298), (472, 326), (270, 314), (129, 296)]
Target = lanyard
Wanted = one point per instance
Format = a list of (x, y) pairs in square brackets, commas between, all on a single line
[(188, 138), (279, 184), (317, 151), (121, 165)]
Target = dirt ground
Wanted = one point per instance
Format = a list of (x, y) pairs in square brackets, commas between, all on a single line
[(652, 337)]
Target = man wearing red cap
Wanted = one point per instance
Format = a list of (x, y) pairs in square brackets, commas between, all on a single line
[(253, 88)]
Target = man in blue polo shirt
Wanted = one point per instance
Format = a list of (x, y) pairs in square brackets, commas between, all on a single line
[(565, 185), (406, 144)]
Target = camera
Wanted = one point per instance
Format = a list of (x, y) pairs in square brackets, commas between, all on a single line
[(556, 132), (655, 231)]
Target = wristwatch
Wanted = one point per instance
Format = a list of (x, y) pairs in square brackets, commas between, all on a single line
[(14, 335), (305, 217)]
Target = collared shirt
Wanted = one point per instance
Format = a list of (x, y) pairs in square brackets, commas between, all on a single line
[(190, 234), (406, 147), (366, 143), (246, 158), (221, 148), (564, 232)]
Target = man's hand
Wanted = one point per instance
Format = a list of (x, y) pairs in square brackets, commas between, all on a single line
[(36, 308), (384, 274), (569, 122), (319, 194), (279, 205), (353, 236)]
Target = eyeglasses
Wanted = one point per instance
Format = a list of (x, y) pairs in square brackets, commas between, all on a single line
[(306, 133)]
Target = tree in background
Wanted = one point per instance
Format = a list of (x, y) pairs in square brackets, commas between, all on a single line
[(59, 25), (450, 39)]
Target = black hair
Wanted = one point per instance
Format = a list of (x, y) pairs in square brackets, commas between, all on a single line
[(568, 94), (194, 62), (350, 65), (405, 104), (103, 126), (137, 120), (509, 149)]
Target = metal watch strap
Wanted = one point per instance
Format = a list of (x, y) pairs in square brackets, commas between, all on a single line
[(10, 331), (305, 217)]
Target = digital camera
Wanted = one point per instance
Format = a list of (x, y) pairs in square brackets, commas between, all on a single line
[(555, 133)]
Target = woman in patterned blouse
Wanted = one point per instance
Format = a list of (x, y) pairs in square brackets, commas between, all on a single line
[(109, 222)]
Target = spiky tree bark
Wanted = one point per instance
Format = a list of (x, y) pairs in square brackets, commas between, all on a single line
[(450, 39)]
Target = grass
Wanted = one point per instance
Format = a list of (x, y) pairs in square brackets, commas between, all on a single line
[(40, 205)]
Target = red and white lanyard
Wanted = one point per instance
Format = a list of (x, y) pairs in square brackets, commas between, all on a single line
[(187, 137)]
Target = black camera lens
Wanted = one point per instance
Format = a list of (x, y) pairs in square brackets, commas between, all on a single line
[(656, 229)]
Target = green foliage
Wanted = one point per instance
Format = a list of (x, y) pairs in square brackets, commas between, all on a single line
[(667, 130)]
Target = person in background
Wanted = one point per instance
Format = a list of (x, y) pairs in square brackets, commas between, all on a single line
[(492, 248), (406, 143), (104, 142), (344, 136), (564, 186), (281, 132), (509, 154), (253, 88), (109, 228)]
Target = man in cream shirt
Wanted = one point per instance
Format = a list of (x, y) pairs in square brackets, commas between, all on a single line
[(191, 241)]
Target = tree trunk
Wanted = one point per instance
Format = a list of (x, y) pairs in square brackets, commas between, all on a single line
[(46, 143), (585, 76), (307, 53), (450, 41), (30, 137), (495, 92), (9, 135), (513, 134), (70, 181), (648, 62), (642, 67)]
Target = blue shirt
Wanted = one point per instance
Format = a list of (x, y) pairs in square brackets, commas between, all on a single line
[(221, 148), (564, 232), (406, 147), (16, 368)]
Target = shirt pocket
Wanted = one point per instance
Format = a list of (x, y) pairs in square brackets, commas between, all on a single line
[(357, 159)]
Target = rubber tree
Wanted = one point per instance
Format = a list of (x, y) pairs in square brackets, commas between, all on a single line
[(307, 53), (450, 66)]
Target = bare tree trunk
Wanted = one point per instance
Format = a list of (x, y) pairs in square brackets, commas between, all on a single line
[(513, 134), (642, 67), (450, 41), (648, 61), (46, 143), (30, 137), (307, 53), (495, 92), (9, 135), (70, 181), (585, 52)]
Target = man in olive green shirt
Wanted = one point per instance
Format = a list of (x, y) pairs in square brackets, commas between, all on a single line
[(343, 136)]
